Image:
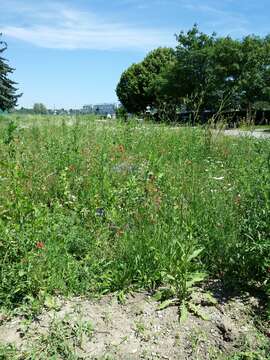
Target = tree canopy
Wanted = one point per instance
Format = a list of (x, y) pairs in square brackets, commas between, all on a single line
[(203, 71), (8, 91), (40, 108), (134, 89)]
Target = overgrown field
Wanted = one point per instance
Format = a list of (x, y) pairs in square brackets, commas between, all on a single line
[(99, 207)]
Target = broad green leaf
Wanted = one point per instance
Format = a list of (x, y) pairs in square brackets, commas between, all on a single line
[(164, 293), (21, 273), (209, 298), (170, 277), (121, 297), (183, 313), (158, 295), (195, 278), (166, 304), (194, 254), (51, 303), (197, 311)]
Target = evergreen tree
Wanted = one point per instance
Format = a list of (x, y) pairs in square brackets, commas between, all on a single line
[(8, 96)]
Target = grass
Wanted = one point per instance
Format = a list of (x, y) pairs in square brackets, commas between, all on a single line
[(62, 341), (94, 208), (253, 127)]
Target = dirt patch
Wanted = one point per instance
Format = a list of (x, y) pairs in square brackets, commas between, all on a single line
[(135, 329)]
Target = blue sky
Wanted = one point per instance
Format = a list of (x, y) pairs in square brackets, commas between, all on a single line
[(70, 53)]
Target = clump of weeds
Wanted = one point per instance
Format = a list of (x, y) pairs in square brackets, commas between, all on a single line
[(91, 208)]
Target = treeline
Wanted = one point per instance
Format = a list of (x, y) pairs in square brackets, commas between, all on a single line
[(203, 73)]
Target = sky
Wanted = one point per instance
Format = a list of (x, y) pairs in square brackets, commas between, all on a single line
[(71, 53)]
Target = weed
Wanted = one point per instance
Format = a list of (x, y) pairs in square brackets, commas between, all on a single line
[(87, 208)]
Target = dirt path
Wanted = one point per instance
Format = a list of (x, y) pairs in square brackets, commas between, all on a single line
[(258, 134), (105, 329)]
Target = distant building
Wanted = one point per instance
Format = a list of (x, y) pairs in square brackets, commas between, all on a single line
[(74, 111), (104, 109), (87, 109), (100, 109)]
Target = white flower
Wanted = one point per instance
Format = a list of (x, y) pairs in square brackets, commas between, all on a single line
[(218, 178)]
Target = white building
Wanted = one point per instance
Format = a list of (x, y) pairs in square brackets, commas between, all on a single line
[(104, 109), (100, 109), (87, 109)]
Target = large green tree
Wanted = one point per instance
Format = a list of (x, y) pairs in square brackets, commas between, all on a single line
[(216, 73), (8, 91), (201, 74), (134, 89), (40, 108), (254, 75)]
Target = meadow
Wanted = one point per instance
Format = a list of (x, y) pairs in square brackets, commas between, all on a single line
[(101, 207)]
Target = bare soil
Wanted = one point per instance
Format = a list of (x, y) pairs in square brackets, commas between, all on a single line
[(136, 329)]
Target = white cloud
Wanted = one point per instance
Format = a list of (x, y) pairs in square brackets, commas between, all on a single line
[(223, 21), (95, 37), (57, 26)]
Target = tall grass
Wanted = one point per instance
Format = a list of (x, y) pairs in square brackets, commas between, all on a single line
[(93, 208)]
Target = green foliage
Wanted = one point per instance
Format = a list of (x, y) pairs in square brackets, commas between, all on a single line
[(39, 108), (205, 72), (62, 341), (134, 89), (121, 113), (8, 96), (250, 352), (9, 136), (90, 208), (223, 71)]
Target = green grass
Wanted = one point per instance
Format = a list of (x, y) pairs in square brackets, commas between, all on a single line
[(62, 341), (94, 208)]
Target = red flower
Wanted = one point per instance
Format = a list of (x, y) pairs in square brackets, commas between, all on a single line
[(40, 245)]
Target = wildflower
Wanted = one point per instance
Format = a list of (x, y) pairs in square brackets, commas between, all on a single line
[(100, 212), (40, 245), (124, 167), (218, 178), (237, 200), (72, 198)]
